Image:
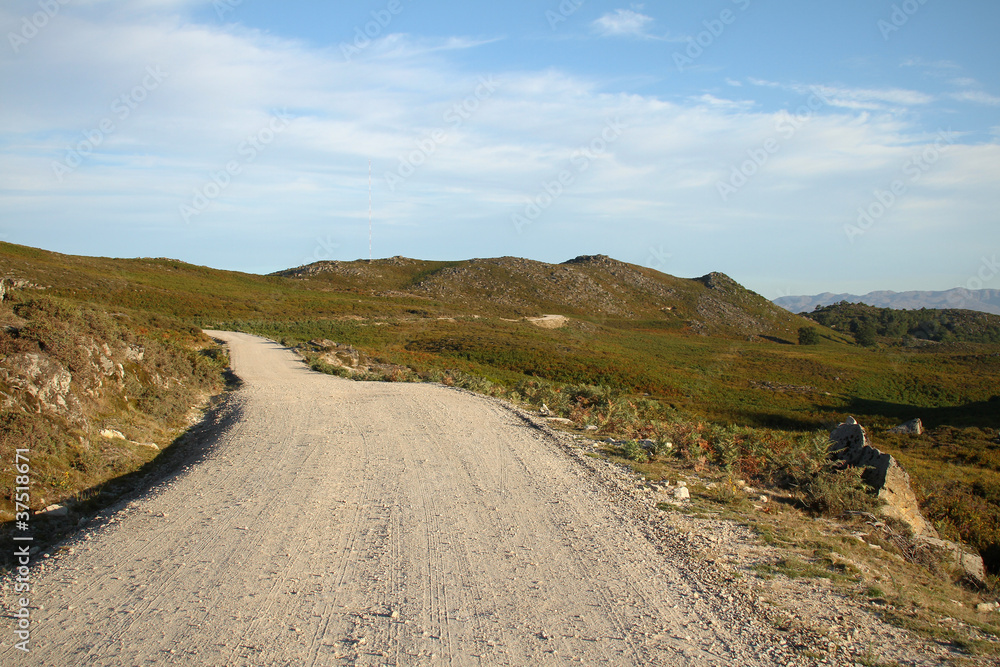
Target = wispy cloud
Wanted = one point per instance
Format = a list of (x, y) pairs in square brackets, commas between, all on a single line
[(865, 99), (874, 98), (623, 23), (954, 74), (403, 46), (938, 67), (976, 97), (708, 100)]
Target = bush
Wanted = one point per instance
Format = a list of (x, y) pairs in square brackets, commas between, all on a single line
[(662, 448), (837, 490), (322, 367), (866, 335), (823, 486), (808, 336), (146, 397), (633, 451), (963, 515)]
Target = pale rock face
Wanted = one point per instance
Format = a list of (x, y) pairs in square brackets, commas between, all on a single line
[(56, 510), (107, 366), (912, 427), (849, 443), (45, 380), (338, 354), (971, 564), (883, 473)]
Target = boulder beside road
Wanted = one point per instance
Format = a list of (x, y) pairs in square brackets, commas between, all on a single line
[(850, 444)]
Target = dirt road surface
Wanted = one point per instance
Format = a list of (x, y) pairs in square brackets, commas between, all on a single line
[(344, 523)]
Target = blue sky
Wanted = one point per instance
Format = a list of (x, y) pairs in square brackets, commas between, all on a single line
[(798, 146)]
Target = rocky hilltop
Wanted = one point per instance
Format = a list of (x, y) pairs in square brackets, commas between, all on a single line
[(591, 285)]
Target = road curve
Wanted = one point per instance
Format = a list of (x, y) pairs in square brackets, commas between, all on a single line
[(349, 523)]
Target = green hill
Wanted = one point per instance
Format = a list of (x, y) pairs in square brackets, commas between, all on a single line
[(909, 326), (590, 287), (636, 351), (707, 345)]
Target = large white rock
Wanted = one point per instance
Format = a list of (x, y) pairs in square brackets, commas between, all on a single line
[(912, 427), (849, 443)]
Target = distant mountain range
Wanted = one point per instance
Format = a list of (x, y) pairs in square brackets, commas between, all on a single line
[(984, 300)]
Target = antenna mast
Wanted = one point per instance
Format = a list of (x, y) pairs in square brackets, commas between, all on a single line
[(369, 211)]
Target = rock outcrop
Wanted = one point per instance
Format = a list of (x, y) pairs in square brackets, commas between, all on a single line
[(850, 444), (43, 381), (971, 564), (912, 427), (338, 354), (882, 473)]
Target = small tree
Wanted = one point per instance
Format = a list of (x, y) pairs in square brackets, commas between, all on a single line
[(866, 335), (808, 336)]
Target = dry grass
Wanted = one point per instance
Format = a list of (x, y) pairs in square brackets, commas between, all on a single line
[(132, 374), (866, 557)]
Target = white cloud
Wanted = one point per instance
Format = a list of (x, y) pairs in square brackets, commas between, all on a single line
[(405, 46), (952, 73), (482, 154), (874, 98), (709, 100), (871, 99), (976, 97), (623, 23)]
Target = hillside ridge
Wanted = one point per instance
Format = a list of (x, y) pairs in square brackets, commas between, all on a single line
[(587, 285)]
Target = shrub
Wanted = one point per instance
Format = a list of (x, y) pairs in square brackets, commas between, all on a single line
[(808, 336), (662, 448), (964, 516), (823, 486), (866, 335), (837, 490), (322, 367), (148, 401), (633, 451)]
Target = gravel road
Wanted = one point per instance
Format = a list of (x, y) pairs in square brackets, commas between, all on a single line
[(346, 523)]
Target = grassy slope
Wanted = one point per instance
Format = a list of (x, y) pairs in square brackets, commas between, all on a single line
[(706, 347), (391, 309), (132, 373)]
